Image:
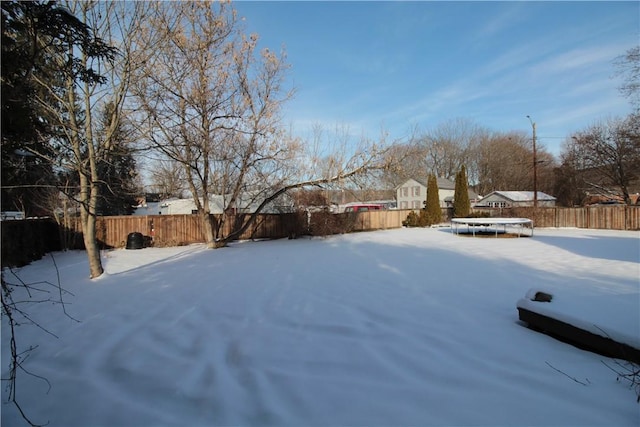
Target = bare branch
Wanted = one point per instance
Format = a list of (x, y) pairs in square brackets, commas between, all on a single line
[(11, 308)]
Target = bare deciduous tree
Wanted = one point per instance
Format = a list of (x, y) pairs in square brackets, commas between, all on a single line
[(167, 178), (409, 159), (86, 75), (569, 185), (609, 154), (628, 66), (210, 102), (335, 162), (504, 161), (116, 24), (76, 63), (449, 146)]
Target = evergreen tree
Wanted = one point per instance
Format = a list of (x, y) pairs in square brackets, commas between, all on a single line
[(461, 203), (117, 168), (118, 190), (56, 62), (433, 211), (27, 178)]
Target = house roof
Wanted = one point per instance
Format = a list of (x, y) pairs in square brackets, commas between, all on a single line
[(443, 183), (521, 196)]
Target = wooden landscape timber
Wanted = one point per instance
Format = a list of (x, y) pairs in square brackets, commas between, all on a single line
[(578, 337)]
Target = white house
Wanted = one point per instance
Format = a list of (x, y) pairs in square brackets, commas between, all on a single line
[(412, 194), (5, 215), (177, 207), (512, 199), (216, 206)]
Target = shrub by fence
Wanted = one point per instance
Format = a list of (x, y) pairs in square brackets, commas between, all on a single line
[(27, 240)]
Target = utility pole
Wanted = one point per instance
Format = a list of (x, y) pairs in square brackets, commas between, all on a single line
[(535, 166)]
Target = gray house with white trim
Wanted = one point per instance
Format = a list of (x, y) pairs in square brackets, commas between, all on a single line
[(513, 199), (412, 194)]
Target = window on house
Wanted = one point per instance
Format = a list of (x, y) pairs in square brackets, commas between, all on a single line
[(405, 192), (415, 204), (417, 191), (404, 205)]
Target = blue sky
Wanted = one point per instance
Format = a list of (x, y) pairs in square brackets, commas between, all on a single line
[(395, 65)]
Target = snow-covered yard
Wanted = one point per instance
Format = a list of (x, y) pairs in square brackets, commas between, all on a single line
[(400, 327)]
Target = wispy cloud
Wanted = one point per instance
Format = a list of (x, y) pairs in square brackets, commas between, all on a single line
[(399, 64), (509, 16), (578, 115), (439, 104), (581, 58)]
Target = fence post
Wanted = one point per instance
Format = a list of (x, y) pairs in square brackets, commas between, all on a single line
[(626, 217)]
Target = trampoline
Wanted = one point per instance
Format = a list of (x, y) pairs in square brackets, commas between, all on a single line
[(486, 224)]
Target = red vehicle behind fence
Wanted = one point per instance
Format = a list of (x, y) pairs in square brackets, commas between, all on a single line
[(364, 207)]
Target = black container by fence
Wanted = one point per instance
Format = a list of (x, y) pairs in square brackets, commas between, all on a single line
[(135, 241)]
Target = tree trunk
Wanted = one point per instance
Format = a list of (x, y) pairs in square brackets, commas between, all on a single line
[(207, 229), (88, 196), (91, 246)]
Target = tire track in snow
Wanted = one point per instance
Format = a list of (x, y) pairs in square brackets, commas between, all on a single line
[(174, 370)]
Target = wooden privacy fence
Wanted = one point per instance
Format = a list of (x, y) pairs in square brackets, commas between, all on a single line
[(380, 220), (176, 230), (597, 217), (27, 240)]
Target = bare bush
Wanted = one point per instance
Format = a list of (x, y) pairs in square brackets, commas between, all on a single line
[(16, 296), (627, 372)]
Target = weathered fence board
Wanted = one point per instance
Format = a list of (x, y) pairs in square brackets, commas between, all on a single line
[(112, 231), (174, 230), (379, 220)]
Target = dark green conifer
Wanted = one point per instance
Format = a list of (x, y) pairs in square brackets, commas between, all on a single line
[(461, 203), (434, 212)]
